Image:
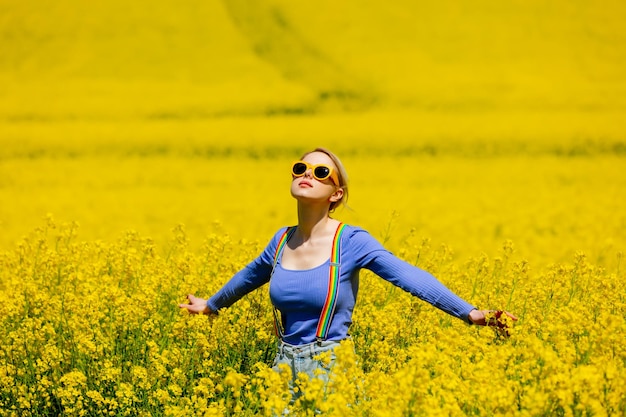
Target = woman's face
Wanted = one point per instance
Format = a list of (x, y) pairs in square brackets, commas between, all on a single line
[(309, 189)]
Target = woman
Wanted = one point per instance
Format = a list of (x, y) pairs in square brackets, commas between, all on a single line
[(313, 292)]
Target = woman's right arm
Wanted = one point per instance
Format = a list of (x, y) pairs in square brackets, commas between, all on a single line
[(254, 275)]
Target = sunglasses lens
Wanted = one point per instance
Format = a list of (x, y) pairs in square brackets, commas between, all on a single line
[(322, 172), (299, 168)]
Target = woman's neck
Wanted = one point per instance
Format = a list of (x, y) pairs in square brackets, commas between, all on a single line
[(312, 221)]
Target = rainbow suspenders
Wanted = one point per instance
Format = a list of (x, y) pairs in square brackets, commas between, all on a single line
[(333, 283)]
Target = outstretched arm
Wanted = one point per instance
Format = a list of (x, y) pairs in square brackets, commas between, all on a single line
[(370, 254), (248, 279), (255, 274), (421, 284)]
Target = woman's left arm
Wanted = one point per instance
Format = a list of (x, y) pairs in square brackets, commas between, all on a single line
[(373, 256), (421, 284)]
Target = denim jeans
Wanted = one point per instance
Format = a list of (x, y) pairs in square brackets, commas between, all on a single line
[(301, 359)]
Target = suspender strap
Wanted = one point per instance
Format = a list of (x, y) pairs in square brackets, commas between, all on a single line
[(278, 326), (333, 283), (282, 241), (333, 286)]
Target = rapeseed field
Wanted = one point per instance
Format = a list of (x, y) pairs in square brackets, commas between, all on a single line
[(144, 155)]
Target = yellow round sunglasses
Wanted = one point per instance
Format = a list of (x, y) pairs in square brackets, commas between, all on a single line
[(320, 171)]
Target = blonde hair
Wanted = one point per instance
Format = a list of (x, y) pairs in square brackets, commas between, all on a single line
[(342, 175)]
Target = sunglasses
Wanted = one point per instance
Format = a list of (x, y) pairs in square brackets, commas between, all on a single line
[(321, 172)]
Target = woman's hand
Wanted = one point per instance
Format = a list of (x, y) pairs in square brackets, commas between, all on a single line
[(488, 317), (496, 318), (196, 305)]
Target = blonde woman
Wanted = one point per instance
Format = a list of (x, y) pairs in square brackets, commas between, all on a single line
[(313, 271)]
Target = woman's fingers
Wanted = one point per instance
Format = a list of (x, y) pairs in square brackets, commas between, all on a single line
[(491, 317), (190, 298), (196, 305), (501, 320), (511, 316), (496, 316)]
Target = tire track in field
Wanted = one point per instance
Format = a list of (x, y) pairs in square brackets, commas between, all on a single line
[(274, 40)]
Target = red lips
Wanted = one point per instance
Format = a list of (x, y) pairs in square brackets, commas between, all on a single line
[(305, 183)]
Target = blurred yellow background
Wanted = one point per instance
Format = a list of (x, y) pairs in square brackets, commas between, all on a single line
[(471, 123)]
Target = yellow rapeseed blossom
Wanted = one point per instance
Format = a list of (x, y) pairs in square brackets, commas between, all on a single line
[(404, 358)]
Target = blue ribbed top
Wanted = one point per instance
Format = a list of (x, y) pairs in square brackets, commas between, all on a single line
[(299, 295)]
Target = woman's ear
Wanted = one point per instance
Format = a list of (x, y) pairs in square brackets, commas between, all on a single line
[(336, 196)]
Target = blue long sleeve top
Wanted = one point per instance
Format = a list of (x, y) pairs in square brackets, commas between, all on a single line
[(299, 295)]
